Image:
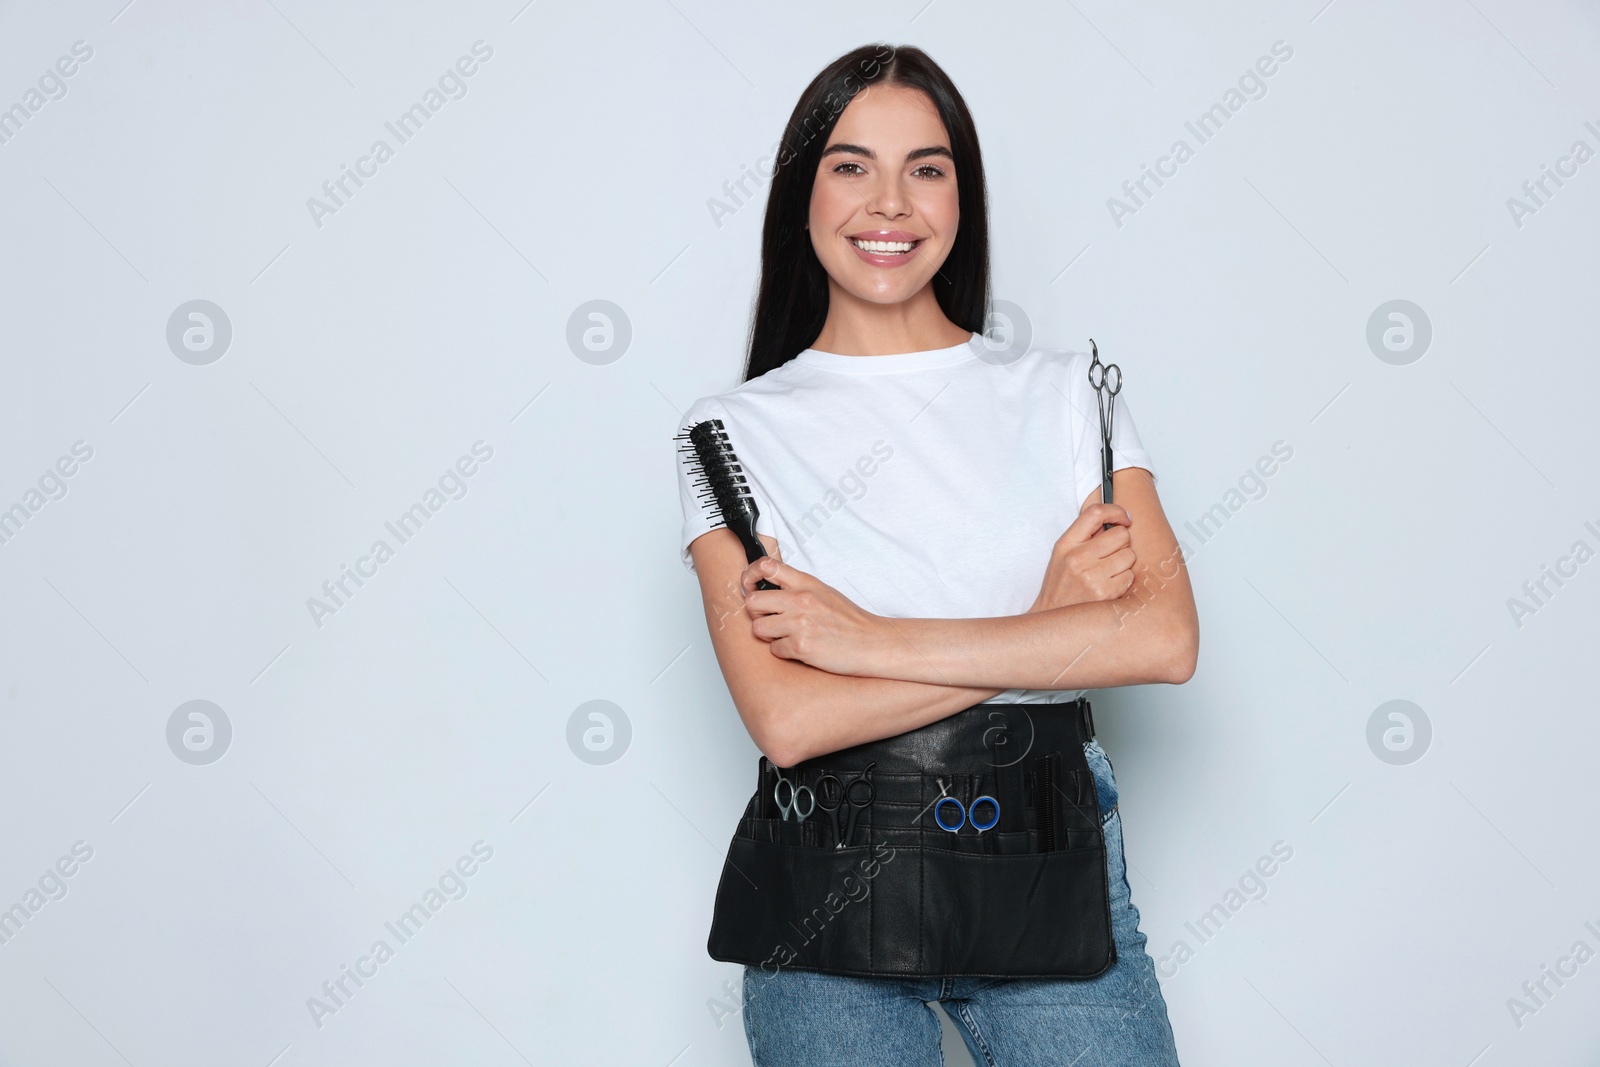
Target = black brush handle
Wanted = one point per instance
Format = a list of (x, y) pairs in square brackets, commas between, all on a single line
[(744, 527)]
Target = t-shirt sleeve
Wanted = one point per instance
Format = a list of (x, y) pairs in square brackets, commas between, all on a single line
[(1126, 448), (700, 513)]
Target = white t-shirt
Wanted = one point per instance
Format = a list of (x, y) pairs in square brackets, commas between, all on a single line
[(923, 484)]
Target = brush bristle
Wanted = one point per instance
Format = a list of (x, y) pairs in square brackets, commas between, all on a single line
[(716, 469)]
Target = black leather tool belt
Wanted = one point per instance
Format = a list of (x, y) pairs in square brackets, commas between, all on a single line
[(873, 882)]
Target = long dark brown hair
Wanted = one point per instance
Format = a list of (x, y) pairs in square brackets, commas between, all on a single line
[(792, 303)]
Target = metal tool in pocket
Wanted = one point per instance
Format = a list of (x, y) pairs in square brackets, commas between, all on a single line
[(802, 801), (834, 795), (964, 814)]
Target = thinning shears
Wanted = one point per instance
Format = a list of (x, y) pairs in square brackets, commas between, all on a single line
[(835, 795), (1107, 384)]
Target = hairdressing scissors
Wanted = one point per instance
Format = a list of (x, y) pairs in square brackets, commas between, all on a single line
[(798, 795), (1107, 384), (835, 794), (966, 814)]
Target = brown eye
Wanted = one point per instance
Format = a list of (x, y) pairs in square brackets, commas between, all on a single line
[(858, 167), (935, 172)]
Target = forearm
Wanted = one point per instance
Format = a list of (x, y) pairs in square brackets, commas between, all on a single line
[(793, 710), (836, 712), (797, 711), (1094, 645)]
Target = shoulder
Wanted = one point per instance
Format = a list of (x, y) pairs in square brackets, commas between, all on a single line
[(1066, 358), (705, 407), (1062, 364), (748, 398)]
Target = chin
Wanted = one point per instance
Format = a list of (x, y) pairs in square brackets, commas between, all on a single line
[(897, 293)]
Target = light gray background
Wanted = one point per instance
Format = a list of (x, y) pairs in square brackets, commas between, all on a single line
[(433, 310)]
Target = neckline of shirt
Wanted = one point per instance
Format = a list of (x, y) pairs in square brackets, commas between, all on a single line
[(889, 364)]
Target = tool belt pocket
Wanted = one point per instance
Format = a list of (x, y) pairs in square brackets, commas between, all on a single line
[(1008, 879)]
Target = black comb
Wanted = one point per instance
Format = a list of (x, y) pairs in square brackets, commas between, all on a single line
[(717, 470)]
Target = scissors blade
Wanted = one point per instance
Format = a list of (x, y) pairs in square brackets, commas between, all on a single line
[(1110, 383), (864, 778)]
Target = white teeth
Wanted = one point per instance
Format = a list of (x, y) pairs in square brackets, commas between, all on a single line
[(883, 246)]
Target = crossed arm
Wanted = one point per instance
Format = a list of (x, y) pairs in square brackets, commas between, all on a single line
[(811, 672)]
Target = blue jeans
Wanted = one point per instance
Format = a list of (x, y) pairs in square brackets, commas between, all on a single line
[(1120, 1017)]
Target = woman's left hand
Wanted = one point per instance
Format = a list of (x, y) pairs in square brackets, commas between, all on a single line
[(808, 620)]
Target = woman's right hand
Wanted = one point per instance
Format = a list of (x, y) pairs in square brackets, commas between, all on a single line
[(1089, 562)]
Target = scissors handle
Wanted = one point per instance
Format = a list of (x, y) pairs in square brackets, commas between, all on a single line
[(833, 796), (939, 816), (1109, 373), (797, 793), (966, 814), (777, 797)]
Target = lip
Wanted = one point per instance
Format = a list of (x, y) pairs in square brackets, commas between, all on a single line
[(885, 235), (885, 259)]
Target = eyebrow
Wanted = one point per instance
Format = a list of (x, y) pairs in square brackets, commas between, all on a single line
[(844, 147)]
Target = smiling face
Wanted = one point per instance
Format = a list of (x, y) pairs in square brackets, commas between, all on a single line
[(884, 210)]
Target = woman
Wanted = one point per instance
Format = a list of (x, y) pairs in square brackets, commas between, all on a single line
[(913, 487)]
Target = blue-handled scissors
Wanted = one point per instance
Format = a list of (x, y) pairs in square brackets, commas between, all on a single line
[(1107, 384), (963, 815), (835, 794), (798, 795)]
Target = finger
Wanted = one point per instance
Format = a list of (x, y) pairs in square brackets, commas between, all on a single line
[(1113, 513), (783, 648), (769, 601), (759, 606), (1092, 520), (773, 631), (1118, 564), (1111, 538), (1098, 543), (1107, 512), (765, 567), (778, 573), (1080, 530)]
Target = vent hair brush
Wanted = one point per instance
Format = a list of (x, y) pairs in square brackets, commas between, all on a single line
[(715, 468)]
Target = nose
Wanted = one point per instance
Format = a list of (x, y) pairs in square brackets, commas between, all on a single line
[(888, 197)]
